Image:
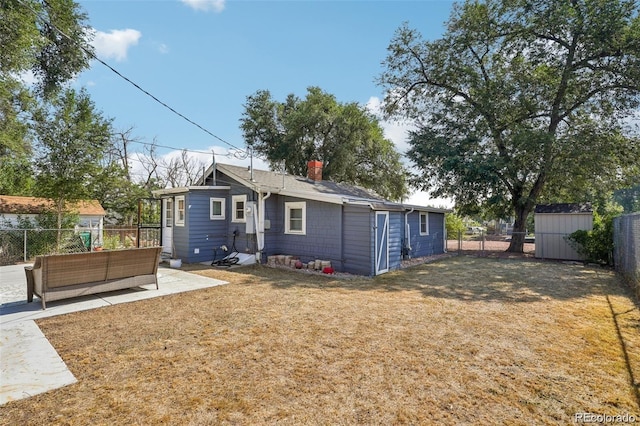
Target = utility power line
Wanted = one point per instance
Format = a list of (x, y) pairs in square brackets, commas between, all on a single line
[(137, 86)]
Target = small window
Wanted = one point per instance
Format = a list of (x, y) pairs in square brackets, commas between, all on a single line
[(295, 218), (180, 211), (216, 208), (424, 223), (239, 204), (168, 212)]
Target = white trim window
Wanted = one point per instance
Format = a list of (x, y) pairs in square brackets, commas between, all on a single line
[(216, 208), (295, 218), (238, 203), (180, 210), (168, 212), (424, 223)]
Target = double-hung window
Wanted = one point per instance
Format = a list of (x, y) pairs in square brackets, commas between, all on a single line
[(424, 223), (295, 218), (239, 203), (168, 212), (180, 210)]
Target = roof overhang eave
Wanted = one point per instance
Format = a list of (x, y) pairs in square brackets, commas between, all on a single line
[(185, 189)]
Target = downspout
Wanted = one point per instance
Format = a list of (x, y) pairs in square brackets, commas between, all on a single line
[(407, 230), (260, 227)]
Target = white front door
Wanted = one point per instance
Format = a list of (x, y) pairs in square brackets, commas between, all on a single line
[(167, 225)]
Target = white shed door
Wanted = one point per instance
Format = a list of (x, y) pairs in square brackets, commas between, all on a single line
[(382, 242)]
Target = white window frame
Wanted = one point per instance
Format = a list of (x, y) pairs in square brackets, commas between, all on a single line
[(426, 220), (222, 202), (180, 215), (169, 213), (288, 206), (235, 199)]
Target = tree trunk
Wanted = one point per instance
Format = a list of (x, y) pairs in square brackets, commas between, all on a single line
[(519, 230)]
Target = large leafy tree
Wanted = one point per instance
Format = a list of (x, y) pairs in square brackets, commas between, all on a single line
[(73, 139), (517, 98), (345, 137), (46, 43), (48, 38)]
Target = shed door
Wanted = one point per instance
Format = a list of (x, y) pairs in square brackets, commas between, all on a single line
[(382, 242)]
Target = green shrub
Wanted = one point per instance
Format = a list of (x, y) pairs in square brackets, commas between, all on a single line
[(454, 224), (595, 245), (111, 242)]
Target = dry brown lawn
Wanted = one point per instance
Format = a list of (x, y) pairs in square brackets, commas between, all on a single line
[(463, 340)]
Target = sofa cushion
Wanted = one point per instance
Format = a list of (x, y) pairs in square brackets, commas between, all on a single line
[(133, 262), (69, 269)]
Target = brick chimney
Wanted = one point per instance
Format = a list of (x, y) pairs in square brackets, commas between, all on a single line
[(314, 170)]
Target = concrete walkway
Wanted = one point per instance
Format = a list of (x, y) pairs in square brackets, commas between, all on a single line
[(29, 365)]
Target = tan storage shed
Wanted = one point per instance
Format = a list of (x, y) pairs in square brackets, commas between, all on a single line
[(554, 222)]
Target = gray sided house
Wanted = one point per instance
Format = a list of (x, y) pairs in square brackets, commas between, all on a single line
[(264, 213)]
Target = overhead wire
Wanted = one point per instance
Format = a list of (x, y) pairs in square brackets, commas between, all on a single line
[(191, 151), (137, 86)]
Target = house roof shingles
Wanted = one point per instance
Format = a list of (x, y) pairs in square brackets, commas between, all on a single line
[(298, 186), (269, 179), (12, 204), (303, 186)]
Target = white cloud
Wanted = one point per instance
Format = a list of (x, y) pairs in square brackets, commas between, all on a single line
[(163, 48), (115, 44), (206, 5)]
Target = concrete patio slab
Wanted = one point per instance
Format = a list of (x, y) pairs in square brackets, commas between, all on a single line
[(29, 365)]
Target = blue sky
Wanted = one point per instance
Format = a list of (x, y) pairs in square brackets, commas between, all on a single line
[(203, 58)]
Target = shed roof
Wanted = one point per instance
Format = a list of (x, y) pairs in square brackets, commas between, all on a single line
[(12, 204), (566, 208)]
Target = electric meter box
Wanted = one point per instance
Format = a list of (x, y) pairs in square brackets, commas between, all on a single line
[(251, 217)]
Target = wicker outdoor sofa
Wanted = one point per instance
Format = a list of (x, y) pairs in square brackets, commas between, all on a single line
[(62, 276)]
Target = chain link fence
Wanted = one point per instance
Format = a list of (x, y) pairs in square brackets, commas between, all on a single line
[(486, 244), (626, 253), (542, 245), (23, 245)]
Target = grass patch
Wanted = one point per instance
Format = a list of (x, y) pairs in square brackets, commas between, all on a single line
[(461, 340)]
